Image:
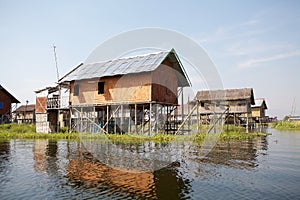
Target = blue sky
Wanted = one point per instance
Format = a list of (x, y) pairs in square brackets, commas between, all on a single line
[(252, 43)]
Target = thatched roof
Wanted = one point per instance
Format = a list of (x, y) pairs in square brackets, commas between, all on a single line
[(24, 108), (226, 95), (260, 102)]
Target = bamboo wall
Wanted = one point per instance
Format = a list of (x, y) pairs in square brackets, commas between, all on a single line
[(235, 106), (258, 112)]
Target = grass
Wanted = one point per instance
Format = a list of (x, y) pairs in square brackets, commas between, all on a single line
[(25, 131), (287, 125)]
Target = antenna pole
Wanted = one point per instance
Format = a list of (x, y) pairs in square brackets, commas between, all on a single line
[(55, 57)]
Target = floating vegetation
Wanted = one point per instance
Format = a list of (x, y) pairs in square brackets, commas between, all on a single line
[(25, 131), (287, 125)]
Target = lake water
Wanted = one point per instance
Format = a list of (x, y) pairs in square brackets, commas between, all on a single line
[(264, 168)]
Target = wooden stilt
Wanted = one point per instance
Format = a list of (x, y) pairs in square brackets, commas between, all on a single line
[(107, 118), (198, 124), (150, 119), (143, 119), (135, 118)]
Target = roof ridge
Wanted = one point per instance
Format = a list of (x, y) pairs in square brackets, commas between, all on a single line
[(126, 58)]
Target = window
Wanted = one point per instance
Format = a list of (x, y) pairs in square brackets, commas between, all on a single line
[(1, 105), (100, 87), (76, 90)]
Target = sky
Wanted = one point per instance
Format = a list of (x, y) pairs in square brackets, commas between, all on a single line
[(252, 43)]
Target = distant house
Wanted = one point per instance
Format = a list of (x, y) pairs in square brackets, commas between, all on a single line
[(6, 101), (52, 108), (233, 103), (259, 110), (25, 114), (135, 94)]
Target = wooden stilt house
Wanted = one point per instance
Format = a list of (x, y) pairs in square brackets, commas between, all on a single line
[(259, 111), (235, 104), (126, 95)]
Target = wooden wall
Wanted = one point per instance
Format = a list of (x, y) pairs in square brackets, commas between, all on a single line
[(41, 105), (235, 106), (164, 85), (159, 85), (6, 103), (258, 112)]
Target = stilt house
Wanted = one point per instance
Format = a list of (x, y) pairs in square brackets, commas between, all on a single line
[(126, 95), (259, 110), (233, 103)]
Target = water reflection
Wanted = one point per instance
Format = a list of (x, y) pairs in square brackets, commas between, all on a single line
[(66, 169), (39, 155), (238, 154)]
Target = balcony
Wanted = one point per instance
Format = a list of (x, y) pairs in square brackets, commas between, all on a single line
[(57, 103), (53, 103)]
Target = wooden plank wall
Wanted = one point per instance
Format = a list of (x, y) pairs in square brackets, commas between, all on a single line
[(164, 85), (127, 88), (235, 106), (6, 103)]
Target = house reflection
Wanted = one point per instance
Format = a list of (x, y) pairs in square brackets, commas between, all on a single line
[(164, 183), (45, 156), (39, 155), (238, 154)]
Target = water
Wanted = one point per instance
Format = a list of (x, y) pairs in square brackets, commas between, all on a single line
[(264, 168)]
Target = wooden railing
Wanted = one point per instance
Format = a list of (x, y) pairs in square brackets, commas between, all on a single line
[(53, 103), (58, 103)]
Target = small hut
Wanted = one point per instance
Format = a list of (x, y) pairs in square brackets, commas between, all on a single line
[(6, 101), (235, 104), (25, 114), (259, 111)]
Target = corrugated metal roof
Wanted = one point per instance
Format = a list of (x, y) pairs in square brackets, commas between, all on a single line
[(122, 66)]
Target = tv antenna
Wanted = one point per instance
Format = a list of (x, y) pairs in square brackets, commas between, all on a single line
[(55, 57), (293, 107)]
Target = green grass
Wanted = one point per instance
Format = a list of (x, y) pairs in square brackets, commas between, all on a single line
[(25, 131), (287, 125)]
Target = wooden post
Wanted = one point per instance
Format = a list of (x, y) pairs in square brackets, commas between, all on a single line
[(122, 118), (198, 124), (247, 123), (135, 117), (70, 120), (156, 118), (129, 120), (150, 119), (107, 117), (114, 113), (182, 108), (81, 119), (143, 119), (188, 104)]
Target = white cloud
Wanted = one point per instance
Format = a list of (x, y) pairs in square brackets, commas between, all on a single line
[(255, 62), (242, 30), (254, 46)]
